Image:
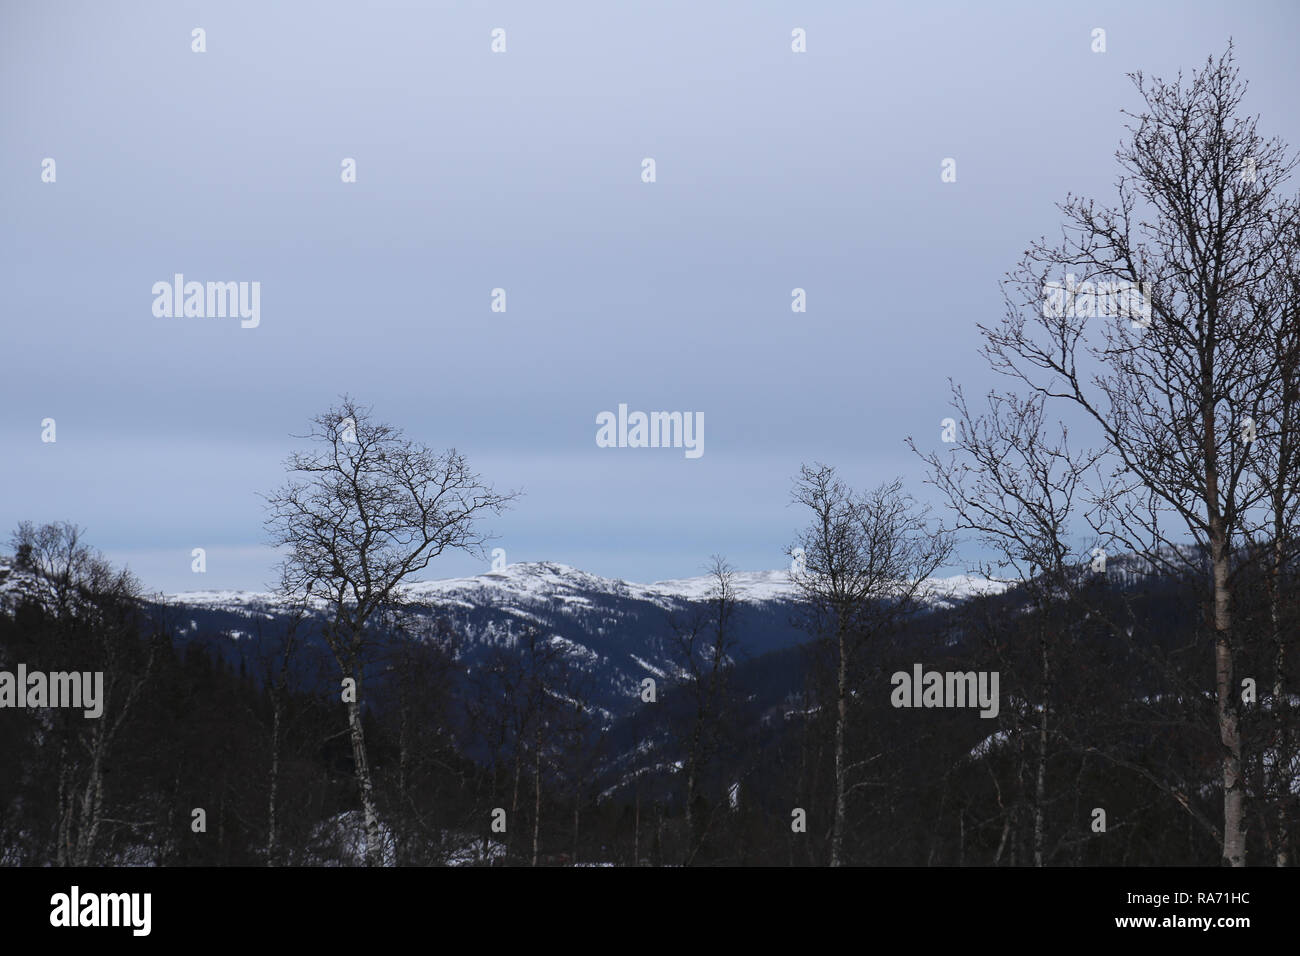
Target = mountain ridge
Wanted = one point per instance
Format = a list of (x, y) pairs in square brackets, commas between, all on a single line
[(534, 579)]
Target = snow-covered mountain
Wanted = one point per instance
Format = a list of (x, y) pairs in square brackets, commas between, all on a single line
[(546, 582), (617, 631)]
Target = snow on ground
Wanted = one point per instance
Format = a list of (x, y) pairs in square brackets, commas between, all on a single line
[(342, 838), (470, 851)]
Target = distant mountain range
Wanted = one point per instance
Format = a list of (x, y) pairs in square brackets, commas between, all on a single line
[(617, 631)]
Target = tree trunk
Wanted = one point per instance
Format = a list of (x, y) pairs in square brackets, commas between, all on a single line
[(63, 851), (1234, 836), (577, 804), (841, 725), (1282, 755), (692, 772), (961, 837), (374, 849), (272, 836), (514, 800), (1040, 780), (1281, 709), (537, 789), (400, 839), (92, 801)]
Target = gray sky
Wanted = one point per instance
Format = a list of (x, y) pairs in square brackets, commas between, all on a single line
[(522, 170)]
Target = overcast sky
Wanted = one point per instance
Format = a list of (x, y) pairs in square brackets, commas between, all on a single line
[(522, 170)]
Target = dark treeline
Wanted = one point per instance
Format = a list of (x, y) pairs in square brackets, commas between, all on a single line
[(713, 771)]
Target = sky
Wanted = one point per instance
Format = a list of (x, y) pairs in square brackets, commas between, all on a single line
[(522, 170)]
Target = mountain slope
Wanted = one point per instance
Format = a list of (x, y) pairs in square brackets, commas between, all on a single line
[(617, 632)]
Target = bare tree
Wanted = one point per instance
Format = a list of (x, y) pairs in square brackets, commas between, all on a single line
[(1181, 365), (1018, 489), (85, 597), (358, 518), (1274, 537), (861, 567), (702, 647), (276, 660)]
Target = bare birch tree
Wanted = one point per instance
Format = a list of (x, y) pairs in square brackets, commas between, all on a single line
[(1166, 341), (357, 518), (860, 566), (1018, 488)]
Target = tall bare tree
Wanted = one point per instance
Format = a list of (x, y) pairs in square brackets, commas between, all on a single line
[(703, 644), (358, 517), (1019, 488), (861, 566), (1167, 341)]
